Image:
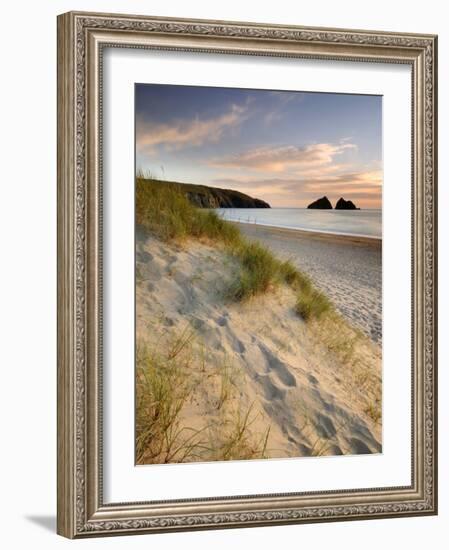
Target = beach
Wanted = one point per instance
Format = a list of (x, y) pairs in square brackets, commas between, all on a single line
[(347, 269)]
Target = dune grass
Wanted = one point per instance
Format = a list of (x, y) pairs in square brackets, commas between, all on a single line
[(166, 211), (352, 348), (236, 441), (259, 270), (312, 304), (162, 389), (166, 383)]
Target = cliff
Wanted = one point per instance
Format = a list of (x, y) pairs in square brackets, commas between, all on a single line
[(214, 197)]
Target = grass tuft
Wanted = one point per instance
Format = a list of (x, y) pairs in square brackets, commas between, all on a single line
[(293, 277), (236, 441), (166, 211), (259, 270), (312, 304), (164, 385), (167, 383)]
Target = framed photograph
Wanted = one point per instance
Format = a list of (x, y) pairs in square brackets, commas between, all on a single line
[(246, 274)]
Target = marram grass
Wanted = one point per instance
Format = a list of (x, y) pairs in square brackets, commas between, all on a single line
[(166, 381)]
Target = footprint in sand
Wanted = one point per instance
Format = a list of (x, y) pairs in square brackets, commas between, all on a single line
[(304, 450), (171, 259), (222, 321), (143, 256), (334, 450), (325, 427), (358, 447), (198, 324), (168, 322), (271, 390), (237, 344), (278, 367)]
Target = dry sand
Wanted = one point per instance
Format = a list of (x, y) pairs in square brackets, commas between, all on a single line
[(256, 357), (347, 269)]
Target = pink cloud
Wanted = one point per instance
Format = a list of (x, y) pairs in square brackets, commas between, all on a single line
[(280, 159)]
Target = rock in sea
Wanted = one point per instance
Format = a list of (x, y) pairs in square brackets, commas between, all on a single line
[(345, 205), (323, 203)]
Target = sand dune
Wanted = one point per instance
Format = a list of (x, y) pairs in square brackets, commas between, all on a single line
[(255, 361)]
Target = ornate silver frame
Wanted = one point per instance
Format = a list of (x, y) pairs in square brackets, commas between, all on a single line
[(81, 39)]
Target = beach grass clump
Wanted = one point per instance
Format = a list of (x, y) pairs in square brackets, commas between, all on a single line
[(295, 278), (161, 394), (162, 389), (312, 304), (162, 210), (168, 382), (238, 442), (208, 224), (259, 270), (356, 352), (167, 212), (374, 410)]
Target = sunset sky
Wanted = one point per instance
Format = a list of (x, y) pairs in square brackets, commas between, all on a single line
[(287, 148)]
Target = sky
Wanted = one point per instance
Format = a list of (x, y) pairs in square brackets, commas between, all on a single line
[(287, 148)]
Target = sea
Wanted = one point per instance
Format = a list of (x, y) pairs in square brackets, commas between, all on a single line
[(359, 223)]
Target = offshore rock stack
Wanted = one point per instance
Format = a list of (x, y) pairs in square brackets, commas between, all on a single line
[(325, 204)]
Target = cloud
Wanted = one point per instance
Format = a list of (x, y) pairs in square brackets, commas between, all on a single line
[(278, 110), (187, 133), (284, 158), (287, 96), (371, 178), (295, 175), (271, 117)]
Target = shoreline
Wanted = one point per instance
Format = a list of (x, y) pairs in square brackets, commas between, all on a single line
[(331, 236)]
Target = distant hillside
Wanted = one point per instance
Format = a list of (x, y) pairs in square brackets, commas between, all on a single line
[(214, 197)]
